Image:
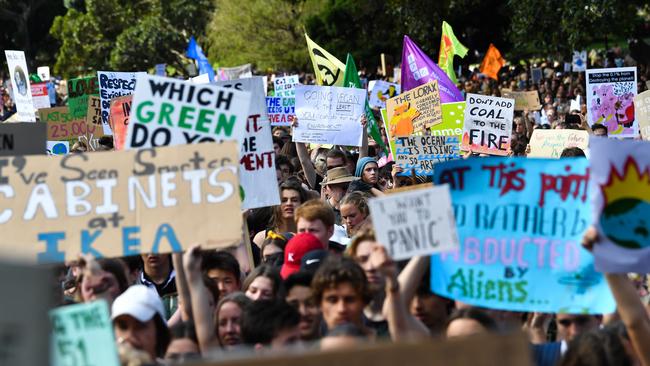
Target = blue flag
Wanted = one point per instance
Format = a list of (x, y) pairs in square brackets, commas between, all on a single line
[(194, 51)]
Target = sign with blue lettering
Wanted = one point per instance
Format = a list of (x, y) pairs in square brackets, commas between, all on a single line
[(420, 153)]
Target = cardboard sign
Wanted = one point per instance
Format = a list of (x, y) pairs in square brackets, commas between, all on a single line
[(329, 115), (488, 124), (620, 183), (78, 92), (119, 119), (168, 111), (83, 333), (22, 139), (550, 143), (112, 85), (520, 222), (642, 111), (281, 111), (381, 91), (20, 85), (526, 100), (116, 204), (43, 72), (58, 147), (40, 96), (422, 152), (61, 126), (610, 96), (94, 126), (286, 86), (418, 222), (415, 110), (24, 326)]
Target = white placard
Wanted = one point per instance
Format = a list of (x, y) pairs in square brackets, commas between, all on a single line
[(381, 91), (20, 85), (286, 86), (488, 124), (112, 85)]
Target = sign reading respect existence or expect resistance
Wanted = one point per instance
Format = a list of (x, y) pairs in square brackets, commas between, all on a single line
[(488, 124), (116, 204), (112, 85), (168, 111), (520, 224)]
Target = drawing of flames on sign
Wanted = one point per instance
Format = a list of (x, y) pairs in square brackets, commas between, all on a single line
[(625, 218)]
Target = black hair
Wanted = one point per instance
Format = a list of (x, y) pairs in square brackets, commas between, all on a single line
[(277, 140), (602, 347), (163, 337), (270, 272), (598, 126), (570, 152), (337, 154), (220, 260), (300, 278), (474, 314), (283, 160), (262, 321)]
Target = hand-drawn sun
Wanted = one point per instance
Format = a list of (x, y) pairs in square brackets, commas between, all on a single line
[(626, 212)]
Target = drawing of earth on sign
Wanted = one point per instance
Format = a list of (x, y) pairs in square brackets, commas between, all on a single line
[(625, 217)]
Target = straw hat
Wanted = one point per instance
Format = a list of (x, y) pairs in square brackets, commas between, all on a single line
[(338, 175)]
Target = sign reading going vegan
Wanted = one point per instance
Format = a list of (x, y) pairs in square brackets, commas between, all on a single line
[(167, 111)]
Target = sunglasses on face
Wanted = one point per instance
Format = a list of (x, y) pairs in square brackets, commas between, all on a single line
[(578, 321)]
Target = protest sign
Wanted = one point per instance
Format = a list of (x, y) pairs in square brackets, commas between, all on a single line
[(285, 86), (415, 110), (58, 147), (201, 79), (61, 126), (381, 91), (116, 204), (329, 115), (22, 138), (236, 72), (417, 222), (257, 157), (487, 124), (281, 110), (620, 178), (610, 95), (536, 75), (422, 152), (94, 124), (78, 92), (161, 69), (167, 111), (520, 223), (24, 326), (112, 85), (579, 61), (43, 73), (642, 111), (119, 119), (550, 143), (574, 104), (453, 115), (526, 100), (40, 96), (20, 85)]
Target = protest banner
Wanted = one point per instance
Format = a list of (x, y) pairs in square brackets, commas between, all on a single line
[(167, 111), (453, 115), (78, 92), (43, 72), (487, 125), (61, 126), (610, 95), (24, 325), (119, 119), (58, 147), (520, 223), (422, 152), (236, 72), (116, 204), (23, 138), (525, 100), (257, 157), (550, 143), (281, 110), (40, 96), (381, 91), (414, 110), (413, 223), (285, 86), (328, 69), (22, 92), (642, 111), (620, 178), (579, 61), (329, 115), (82, 334), (114, 84)]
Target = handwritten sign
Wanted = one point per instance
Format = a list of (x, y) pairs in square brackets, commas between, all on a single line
[(20, 86), (487, 124), (620, 181), (40, 96), (610, 96), (525, 100), (550, 143), (520, 223), (167, 111), (422, 152), (22, 139), (61, 126), (112, 85), (285, 86), (58, 147), (83, 333), (78, 92), (281, 111), (119, 119), (414, 110), (417, 222), (94, 126), (329, 115), (642, 110), (116, 204), (382, 91)]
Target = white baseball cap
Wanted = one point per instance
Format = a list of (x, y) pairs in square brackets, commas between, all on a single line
[(140, 302)]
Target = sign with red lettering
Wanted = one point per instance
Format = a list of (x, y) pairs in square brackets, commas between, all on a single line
[(119, 119), (281, 110), (488, 124)]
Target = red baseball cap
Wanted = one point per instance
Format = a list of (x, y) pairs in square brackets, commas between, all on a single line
[(296, 248)]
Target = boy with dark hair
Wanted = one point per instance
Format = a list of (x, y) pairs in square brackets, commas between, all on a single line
[(270, 323), (299, 295), (599, 130), (223, 270)]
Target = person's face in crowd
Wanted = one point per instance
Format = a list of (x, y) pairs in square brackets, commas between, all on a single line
[(519, 126), (226, 281), (141, 336), (260, 289), (335, 163), (154, 262), (284, 172), (182, 349), (316, 228), (352, 217), (335, 191), (571, 325), (300, 298), (270, 251), (370, 173), (276, 148), (362, 257), (464, 327), (431, 310), (103, 285), (290, 199), (600, 132), (342, 304), (228, 324), (550, 114)]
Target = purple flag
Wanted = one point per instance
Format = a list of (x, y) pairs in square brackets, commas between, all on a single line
[(418, 69)]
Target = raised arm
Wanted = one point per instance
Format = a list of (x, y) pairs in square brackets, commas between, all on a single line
[(184, 301), (363, 150)]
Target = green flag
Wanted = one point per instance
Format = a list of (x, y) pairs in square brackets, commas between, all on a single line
[(351, 80), (449, 47)]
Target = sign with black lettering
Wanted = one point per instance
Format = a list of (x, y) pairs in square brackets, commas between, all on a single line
[(23, 139), (114, 84), (423, 152), (488, 124)]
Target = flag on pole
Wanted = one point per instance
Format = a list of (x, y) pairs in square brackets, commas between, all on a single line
[(328, 69), (195, 52), (492, 63), (449, 47)]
